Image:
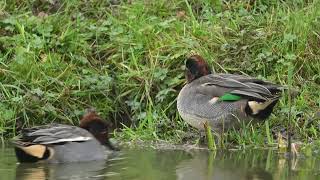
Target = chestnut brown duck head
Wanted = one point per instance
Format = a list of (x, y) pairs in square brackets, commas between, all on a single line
[(223, 100), (97, 126), (196, 67)]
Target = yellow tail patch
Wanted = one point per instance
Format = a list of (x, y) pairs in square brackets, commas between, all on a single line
[(35, 150), (258, 106)]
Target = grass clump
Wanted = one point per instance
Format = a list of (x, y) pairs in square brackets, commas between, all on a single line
[(126, 59)]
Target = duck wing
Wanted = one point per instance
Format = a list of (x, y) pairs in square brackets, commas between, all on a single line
[(273, 88), (217, 85), (52, 134)]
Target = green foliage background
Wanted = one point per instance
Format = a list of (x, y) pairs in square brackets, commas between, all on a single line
[(126, 59)]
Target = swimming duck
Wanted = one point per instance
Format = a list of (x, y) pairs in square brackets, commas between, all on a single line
[(224, 101), (59, 143)]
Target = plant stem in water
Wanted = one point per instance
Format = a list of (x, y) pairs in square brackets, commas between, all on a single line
[(211, 144)]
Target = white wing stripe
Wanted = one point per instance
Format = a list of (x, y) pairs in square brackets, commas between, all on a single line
[(67, 140)]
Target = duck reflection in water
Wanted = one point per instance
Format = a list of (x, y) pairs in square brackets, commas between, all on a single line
[(222, 165), (41, 171)]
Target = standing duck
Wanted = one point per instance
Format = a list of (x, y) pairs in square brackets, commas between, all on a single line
[(224, 101), (59, 143)]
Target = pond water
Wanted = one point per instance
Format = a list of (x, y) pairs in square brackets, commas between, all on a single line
[(151, 164)]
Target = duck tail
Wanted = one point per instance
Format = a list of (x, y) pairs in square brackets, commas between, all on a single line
[(261, 110), (277, 89), (30, 153), (274, 89)]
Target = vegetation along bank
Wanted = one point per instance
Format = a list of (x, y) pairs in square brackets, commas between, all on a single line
[(126, 59)]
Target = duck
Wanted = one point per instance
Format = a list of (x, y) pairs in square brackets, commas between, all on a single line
[(61, 143), (223, 101)]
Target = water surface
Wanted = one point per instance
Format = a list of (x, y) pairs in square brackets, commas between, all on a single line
[(151, 164)]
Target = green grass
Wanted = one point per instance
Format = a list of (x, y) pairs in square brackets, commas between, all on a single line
[(59, 57)]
